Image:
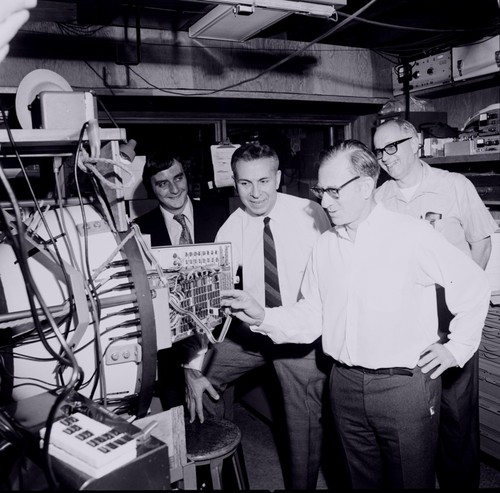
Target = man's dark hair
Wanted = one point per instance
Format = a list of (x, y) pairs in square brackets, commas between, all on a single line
[(156, 162), (251, 152), (363, 161)]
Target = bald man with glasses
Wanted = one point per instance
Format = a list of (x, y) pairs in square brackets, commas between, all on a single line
[(452, 205), (369, 291)]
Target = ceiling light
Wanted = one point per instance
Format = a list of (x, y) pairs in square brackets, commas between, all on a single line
[(234, 20), (223, 23)]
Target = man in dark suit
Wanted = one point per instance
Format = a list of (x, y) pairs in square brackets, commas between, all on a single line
[(164, 178), (176, 220)]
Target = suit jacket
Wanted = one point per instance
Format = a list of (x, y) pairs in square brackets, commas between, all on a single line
[(208, 218)]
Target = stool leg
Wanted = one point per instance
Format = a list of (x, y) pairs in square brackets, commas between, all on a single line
[(240, 468), (216, 473), (189, 472)]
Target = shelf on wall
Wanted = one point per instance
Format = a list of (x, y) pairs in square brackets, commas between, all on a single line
[(50, 142), (472, 158), (457, 87)]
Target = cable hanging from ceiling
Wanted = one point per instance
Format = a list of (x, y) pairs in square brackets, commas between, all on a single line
[(209, 92)]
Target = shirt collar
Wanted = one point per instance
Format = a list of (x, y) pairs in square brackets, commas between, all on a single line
[(276, 213), (187, 211), (375, 216), (393, 190)]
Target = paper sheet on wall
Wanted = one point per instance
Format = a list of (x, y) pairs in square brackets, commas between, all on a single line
[(221, 160)]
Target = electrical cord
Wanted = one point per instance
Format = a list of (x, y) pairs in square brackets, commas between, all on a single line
[(69, 360), (412, 28), (296, 53), (33, 292), (91, 288)]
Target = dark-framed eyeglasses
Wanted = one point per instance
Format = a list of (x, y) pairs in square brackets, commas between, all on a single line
[(389, 149), (332, 192)]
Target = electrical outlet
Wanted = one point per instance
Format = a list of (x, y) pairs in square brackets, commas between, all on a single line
[(124, 354)]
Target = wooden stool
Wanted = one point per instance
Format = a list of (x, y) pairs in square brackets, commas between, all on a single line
[(212, 441)]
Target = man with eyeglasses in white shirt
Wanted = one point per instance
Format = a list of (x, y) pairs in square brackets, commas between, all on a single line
[(452, 205), (369, 291)]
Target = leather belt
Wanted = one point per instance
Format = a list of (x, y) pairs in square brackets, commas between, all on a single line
[(379, 371)]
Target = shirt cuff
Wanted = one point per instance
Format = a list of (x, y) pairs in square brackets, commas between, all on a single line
[(461, 353), (196, 363)]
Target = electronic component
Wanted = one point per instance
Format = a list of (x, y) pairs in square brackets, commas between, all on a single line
[(458, 148), (427, 72), (142, 455), (89, 445), (489, 143), (484, 122), (473, 145), (104, 327), (62, 109), (489, 122), (478, 59), (196, 274)]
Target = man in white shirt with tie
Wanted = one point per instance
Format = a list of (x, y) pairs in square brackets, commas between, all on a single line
[(369, 291), (295, 224)]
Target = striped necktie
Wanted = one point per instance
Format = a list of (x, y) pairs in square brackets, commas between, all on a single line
[(185, 238), (271, 280)]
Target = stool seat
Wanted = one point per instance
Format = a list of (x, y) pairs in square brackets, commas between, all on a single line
[(212, 438), (213, 441)]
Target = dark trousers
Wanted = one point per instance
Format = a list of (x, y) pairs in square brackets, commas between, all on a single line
[(388, 425), (302, 385), (458, 462)]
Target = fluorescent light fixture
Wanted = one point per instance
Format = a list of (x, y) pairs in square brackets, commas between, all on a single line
[(234, 20), (320, 8), (224, 24)]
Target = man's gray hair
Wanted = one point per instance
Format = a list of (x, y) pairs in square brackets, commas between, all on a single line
[(403, 124), (362, 160)]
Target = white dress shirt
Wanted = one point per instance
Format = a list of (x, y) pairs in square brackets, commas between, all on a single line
[(174, 228), (373, 300), (296, 225)]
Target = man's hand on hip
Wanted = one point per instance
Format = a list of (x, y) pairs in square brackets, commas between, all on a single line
[(436, 356)]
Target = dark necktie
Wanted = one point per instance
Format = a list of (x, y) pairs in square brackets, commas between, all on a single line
[(271, 280), (185, 238)]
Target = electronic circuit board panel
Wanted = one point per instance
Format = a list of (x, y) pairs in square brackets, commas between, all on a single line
[(196, 274)]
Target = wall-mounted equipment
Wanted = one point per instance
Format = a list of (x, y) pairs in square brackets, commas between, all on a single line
[(476, 59), (455, 65), (431, 71)]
